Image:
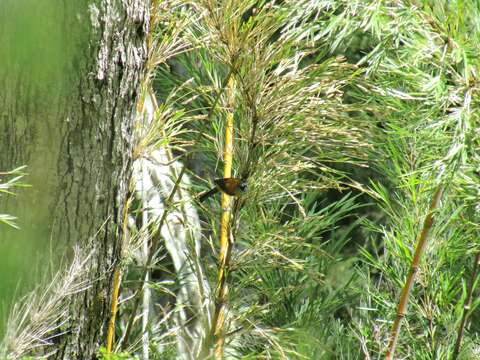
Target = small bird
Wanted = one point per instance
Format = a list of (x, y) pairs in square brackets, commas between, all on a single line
[(230, 186)]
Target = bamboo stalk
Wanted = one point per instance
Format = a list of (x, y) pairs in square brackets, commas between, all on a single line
[(466, 307), (218, 320), (146, 290), (113, 309), (117, 279), (403, 302)]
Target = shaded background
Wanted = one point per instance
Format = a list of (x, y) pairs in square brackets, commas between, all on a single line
[(40, 42)]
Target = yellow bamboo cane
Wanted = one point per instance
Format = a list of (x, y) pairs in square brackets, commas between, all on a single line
[(218, 320), (402, 304), (117, 276)]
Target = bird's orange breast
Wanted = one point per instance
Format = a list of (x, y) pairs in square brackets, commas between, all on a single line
[(229, 186)]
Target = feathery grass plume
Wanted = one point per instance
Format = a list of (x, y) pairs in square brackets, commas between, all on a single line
[(41, 316)]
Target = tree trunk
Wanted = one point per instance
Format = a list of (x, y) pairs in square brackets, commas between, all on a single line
[(93, 140), (95, 161)]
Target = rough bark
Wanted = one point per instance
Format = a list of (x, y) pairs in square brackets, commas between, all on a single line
[(92, 145), (95, 161)]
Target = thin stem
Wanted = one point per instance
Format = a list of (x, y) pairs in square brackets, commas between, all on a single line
[(218, 321), (403, 302), (117, 277), (466, 307), (113, 309), (146, 290)]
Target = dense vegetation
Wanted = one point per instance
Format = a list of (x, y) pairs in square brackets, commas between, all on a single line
[(355, 125)]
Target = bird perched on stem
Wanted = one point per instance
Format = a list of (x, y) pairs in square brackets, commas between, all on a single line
[(229, 186)]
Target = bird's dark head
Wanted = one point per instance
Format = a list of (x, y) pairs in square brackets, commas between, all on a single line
[(243, 186)]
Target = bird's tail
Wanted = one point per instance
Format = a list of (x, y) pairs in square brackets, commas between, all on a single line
[(205, 195)]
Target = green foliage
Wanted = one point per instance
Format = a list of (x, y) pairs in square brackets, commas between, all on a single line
[(333, 98), (419, 90), (348, 115), (103, 355), (288, 267), (6, 188)]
